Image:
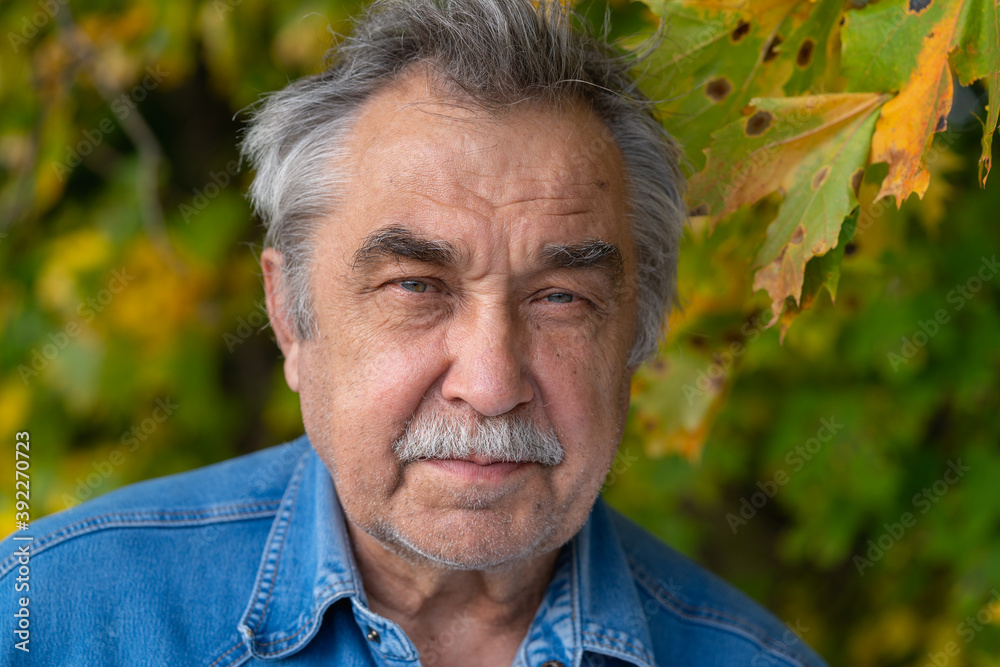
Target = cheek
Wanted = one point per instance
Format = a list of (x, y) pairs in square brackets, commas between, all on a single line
[(365, 386), (582, 389), (390, 374), (377, 361), (349, 430), (580, 374)]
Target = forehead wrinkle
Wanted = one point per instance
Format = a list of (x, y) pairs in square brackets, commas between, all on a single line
[(429, 171)]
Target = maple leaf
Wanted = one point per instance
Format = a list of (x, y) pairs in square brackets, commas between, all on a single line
[(716, 56), (904, 46), (820, 194), (744, 87), (814, 150), (760, 152)]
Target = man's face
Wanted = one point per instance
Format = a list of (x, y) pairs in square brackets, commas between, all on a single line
[(470, 272)]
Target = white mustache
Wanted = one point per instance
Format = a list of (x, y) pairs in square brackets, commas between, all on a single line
[(506, 438)]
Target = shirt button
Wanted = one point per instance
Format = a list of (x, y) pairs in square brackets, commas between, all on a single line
[(552, 663), (373, 636)]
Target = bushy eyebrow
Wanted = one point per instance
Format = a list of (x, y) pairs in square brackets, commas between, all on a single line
[(592, 254), (397, 243)]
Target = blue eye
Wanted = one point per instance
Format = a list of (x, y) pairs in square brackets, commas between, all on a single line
[(561, 297), (413, 285)]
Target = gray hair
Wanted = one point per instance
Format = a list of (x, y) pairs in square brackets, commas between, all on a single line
[(495, 54), (510, 437)]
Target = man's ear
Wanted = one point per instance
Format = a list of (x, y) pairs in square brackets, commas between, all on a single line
[(272, 265)]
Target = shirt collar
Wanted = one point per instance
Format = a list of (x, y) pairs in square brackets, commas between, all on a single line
[(307, 564), (612, 619)]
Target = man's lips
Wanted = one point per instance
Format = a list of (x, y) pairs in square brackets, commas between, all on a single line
[(479, 460), (477, 468)]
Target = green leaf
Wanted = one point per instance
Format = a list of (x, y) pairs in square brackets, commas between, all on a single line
[(905, 46), (882, 43), (822, 273), (714, 59), (757, 154), (820, 194), (809, 47)]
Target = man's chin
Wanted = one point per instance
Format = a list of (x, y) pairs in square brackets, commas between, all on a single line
[(470, 557), (469, 540), (432, 493)]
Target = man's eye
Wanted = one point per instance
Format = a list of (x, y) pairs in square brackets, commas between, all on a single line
[(413, 285), (561, 297)]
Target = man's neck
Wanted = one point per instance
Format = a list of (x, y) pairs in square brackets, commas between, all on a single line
[(467, 617)]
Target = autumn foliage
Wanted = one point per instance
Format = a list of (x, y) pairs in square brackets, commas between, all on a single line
[(805, 449)]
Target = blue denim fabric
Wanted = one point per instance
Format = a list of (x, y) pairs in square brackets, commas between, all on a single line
[(247, 562)]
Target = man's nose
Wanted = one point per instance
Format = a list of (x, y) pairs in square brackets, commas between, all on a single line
[(488, 367)]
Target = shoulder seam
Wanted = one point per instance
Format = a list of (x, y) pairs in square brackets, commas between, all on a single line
[(147, 519), (710, 616)]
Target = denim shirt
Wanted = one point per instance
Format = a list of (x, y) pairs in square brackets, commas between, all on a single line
[(248, 562)]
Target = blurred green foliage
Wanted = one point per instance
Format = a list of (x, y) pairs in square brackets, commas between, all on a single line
[(130, 289)]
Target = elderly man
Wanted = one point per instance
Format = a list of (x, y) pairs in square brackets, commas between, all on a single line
[(472, 227)]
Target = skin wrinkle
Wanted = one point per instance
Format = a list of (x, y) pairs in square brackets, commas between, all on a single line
[(484, 343), (584, 154), (467, 131), (398, 244), (491, 62)]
